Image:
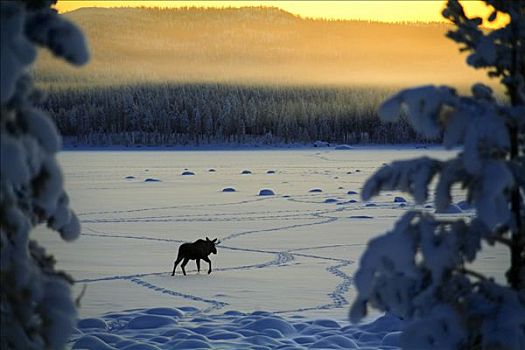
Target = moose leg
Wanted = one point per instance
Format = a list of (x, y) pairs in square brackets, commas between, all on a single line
[(184, 264), (175, 265), (198, 261), (209, 262)]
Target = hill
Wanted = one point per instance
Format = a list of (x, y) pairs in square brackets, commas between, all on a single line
[(256, 45)]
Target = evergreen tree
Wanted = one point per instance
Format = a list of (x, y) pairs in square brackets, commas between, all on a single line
[(37, 310), (417, 271)]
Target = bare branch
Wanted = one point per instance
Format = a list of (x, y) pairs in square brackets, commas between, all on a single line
[(472, 273), (502, 240)]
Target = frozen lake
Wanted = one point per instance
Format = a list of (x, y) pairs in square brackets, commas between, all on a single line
[(292, 253)]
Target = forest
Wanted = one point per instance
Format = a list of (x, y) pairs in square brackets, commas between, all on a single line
[(196, 114)]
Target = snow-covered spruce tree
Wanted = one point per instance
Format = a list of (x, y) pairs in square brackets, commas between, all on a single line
[(37, 310), (418, 270)]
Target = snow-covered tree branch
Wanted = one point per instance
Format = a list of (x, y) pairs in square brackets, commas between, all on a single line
[(37, 310), (416, 271)]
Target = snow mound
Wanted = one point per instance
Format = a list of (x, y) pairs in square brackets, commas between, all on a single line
[(246, 172), (370, 205), (343, 147), (165, 311), (188, 173), (92, 323), (334, 342), (91, 342), (167, 328), (152, 179), (391, 339), (387, 321), (223, 335), (351, 192), (315, 190), (326, 323), (190, 344), (266, 192), (273, 323), (305, 339), (399, 200), (451, 209), (149, 321), (270, 172), (229, 189)]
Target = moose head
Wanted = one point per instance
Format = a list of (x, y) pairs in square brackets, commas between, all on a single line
[(212, 244)]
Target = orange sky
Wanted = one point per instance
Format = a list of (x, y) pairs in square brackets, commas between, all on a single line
[(383, 11)]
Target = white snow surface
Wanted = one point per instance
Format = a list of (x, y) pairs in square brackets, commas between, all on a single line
[(283, 276)]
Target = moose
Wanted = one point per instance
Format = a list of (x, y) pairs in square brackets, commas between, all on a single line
[(200, 249)]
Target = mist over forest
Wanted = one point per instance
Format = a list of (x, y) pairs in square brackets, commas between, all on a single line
[(196, 76), (256, 45)]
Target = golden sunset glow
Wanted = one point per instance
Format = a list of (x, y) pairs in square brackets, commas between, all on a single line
[(381, 11)]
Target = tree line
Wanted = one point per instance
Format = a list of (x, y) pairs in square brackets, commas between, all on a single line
[(195, 114)]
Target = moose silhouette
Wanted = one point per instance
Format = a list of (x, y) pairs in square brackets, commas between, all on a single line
[(200, 249)]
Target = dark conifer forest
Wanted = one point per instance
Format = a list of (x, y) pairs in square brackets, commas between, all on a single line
[(196, 114)]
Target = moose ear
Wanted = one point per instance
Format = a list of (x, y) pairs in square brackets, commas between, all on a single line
[(207, 239), (215, 240)]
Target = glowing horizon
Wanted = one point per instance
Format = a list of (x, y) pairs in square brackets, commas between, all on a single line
[(377, 11)]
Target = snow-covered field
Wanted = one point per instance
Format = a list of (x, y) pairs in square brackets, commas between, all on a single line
[(282, 277)]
